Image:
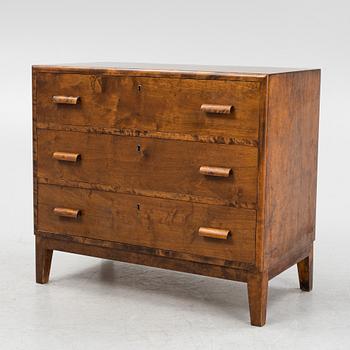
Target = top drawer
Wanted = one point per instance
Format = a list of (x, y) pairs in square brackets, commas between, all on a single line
[(150, 104)]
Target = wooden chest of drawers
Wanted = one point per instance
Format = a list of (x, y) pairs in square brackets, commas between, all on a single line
[(207, 170)]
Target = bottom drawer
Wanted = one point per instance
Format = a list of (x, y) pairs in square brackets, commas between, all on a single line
[(150, 222)]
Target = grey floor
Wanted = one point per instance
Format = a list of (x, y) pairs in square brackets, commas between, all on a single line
[(98, 304)]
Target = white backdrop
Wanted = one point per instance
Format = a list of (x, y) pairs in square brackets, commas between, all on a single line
[(312, 33)]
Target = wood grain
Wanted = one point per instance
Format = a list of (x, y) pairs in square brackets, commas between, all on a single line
[(137, 249), (158, 223), (152, 134), (170, 160), (184, 71), (257, 296), (67, 212), (305, 272), (217, 109), (35, 152), (296, 254), (155, 71), (43, 258), (161, 166), (291, 167), (261, 195), (66, 156), (159, 105), (216, 233), (66, 100), (78, 246), (215, 171)]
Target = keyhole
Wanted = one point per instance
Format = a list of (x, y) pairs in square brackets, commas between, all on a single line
[(138, 206), (138, 148), (139, 88)]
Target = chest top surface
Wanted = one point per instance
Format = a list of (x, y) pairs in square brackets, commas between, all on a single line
[(170, 68)]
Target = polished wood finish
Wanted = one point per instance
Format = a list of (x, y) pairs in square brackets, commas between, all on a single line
[(65, 100), (210, 232), (161, 70), (150, 222), (65, 156), (146, 256), (257, 296), (206, 170), (67, 212), (151, 167), (305, 272), (150, 251), (217, 109), (215, 171), (291, 163), (43, 258), (154, 134), (150, 104)]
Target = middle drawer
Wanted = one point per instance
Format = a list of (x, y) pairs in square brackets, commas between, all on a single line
[(153, 167)]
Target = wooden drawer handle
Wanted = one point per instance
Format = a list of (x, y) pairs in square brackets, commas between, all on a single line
[(67, 157), (67, 213), (66, 100), (213, 232), (217, 109), (215, 171)]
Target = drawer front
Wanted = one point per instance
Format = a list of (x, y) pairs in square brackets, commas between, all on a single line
[(154, 167), (150, 104), (150, 222)]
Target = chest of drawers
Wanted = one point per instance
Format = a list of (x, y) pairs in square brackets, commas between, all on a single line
[(207, 170)]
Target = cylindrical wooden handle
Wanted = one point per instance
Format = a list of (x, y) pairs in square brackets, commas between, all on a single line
[(215, 171), (65, 156), (66, 100), (217, 109), (67, 213), (213, 232)]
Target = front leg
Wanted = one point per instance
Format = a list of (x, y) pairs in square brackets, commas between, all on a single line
[(43, 259), (257, 296)]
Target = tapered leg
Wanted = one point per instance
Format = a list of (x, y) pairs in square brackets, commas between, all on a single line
[(43, 259), (305, 272), (257, 296)]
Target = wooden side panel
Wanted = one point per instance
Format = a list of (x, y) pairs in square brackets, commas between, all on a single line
[(153, 167), (291, 167), (150, 104), (149, 222)]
